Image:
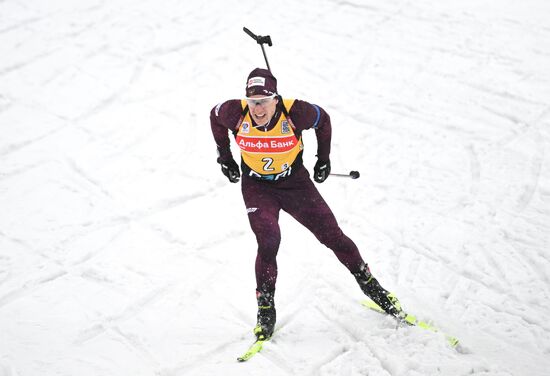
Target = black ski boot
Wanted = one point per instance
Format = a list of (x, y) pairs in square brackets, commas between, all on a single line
[(385, 300), (266, 315)]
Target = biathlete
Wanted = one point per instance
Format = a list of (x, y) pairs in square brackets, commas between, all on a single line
[(268, 130)]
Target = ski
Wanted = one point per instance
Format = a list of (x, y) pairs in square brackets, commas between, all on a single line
[(413, 321), (255, 348)]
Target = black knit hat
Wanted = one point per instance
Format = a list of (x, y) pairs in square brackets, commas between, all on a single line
[(261, 82)]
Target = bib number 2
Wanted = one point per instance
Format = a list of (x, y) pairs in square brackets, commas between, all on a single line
[(267, 164)]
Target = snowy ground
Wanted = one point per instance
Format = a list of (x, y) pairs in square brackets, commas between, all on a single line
[(124, 251)]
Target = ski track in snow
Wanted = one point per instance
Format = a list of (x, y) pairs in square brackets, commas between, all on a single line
[(124, 251)]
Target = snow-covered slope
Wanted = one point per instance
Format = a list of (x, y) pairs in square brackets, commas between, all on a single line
[(124, 251)]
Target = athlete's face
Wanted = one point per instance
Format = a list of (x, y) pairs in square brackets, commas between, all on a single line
[(262, 108)]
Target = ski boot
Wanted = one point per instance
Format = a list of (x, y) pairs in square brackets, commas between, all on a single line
[(385, 300), (266, 315)]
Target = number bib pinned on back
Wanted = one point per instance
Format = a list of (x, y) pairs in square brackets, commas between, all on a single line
[(268, 153)]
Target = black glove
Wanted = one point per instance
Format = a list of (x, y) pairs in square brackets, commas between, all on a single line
[(230, 169), (321, 171)]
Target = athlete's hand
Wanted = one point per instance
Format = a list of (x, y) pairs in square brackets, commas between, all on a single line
[(230, 168), (321, 171)]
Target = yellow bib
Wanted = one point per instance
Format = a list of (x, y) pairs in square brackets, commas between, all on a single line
[(271, 152)]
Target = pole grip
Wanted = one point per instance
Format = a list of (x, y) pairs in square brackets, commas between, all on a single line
[(259, 38)]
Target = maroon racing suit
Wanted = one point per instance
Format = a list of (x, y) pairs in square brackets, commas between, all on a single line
[(294, 193)]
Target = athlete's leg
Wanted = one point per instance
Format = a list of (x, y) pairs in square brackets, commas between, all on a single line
[(263, 213)]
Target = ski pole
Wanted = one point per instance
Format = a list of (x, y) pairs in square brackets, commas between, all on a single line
[(352, 174), (261, 41)]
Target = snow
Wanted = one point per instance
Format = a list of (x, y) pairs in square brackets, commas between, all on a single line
[(125, 251)]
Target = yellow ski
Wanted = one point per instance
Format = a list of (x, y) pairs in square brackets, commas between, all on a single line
[(412, 320), (255, 348)]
